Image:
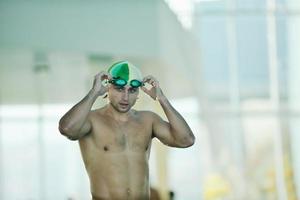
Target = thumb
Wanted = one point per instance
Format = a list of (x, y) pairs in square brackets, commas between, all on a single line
[(145, 89)]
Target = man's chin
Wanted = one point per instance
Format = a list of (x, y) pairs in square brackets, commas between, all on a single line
[(124, 110)]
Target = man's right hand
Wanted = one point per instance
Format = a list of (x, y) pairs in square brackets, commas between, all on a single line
[(98, 86)]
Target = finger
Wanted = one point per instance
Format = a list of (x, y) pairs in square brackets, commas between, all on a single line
[(148, 92), (109, 76), (152, 82), (154, 79), (155, 83), (97, 75), (104, 75), (150, 79), (145, 89), (147, 78)]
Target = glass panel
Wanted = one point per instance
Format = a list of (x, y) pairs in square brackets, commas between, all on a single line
[(252, 56), (214, 56)]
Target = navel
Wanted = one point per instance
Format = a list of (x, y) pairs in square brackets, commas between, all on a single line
[(128, 191), (105, 148)]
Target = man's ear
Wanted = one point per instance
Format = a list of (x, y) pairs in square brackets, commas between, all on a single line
[(106, 94)]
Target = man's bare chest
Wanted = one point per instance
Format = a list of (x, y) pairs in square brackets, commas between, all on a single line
[(115, 137)]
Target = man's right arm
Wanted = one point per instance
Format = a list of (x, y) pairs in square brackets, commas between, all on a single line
[(76, 123)]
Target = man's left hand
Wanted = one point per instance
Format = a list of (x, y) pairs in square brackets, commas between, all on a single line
[(154, 92)]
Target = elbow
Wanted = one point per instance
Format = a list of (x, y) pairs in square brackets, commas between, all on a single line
[(190, 141), (63, 129), (66, 131), (187, 140)]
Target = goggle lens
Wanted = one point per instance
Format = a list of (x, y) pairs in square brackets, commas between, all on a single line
[(135, 83), (122, 83)]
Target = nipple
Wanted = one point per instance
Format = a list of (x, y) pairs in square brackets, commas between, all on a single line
[(105, 148)]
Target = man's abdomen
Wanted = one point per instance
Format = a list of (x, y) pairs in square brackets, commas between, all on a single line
[(122, 175)]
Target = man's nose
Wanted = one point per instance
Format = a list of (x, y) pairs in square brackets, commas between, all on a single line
[(125, 95)]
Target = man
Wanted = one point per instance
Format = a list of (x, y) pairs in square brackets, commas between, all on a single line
[(115, 140)]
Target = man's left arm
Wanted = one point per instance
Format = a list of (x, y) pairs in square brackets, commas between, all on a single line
[(176, 132)]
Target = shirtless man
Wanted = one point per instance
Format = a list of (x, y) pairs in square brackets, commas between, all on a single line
[(115, 140)]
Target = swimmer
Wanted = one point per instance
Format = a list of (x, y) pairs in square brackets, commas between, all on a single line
[(115, 140)]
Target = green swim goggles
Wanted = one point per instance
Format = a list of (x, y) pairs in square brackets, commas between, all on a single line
[(121, 82)]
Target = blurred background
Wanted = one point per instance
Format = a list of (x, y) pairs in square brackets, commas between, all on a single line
[(229, 67)]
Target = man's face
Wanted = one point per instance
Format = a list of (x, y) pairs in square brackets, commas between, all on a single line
[(122, 98)]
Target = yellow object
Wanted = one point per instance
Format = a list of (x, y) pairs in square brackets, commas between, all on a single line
[(216, 187)]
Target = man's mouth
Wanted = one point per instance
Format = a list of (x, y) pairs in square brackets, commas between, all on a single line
[(124, 104)]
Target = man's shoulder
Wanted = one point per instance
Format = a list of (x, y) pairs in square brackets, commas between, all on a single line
[(97, 113), (143, 112), (146, 113)]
